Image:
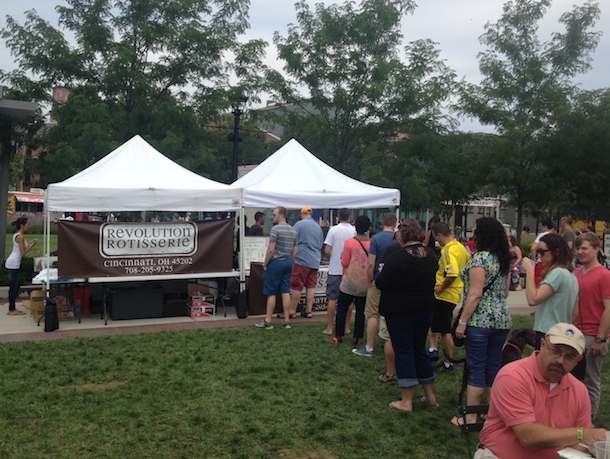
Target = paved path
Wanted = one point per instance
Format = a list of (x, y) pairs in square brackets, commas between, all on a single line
[(23, 328)]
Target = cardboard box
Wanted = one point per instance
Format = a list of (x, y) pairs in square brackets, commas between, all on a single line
[(38, 314), (202, 309), (197, 299), (201, 305), (65, 314), (197, 288), (37, 298)]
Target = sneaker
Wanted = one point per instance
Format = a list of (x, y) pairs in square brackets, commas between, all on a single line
[(363, 352), (384, 378), (433, 354), (264, 324), (286, 325), (442, 368)]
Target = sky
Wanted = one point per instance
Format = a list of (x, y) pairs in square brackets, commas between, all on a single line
[(455, 25)]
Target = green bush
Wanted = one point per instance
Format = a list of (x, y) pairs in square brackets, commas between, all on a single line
[(27, 272), (526, 243), (35, 228)]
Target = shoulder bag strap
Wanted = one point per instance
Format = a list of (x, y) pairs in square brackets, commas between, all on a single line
[(491, 282), (362, 245)]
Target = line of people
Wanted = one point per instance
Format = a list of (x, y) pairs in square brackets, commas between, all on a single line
[(401, 287), (527, 413)]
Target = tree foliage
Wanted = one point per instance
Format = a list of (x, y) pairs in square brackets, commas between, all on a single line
[(525, 84), (155, 68), (433, 171), (358, 90), (578, 153)]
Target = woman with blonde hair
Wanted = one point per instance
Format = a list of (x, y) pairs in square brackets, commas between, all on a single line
[(556, 294)]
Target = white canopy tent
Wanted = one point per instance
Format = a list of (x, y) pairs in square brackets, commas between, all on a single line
[(293, 177), (137, 177)]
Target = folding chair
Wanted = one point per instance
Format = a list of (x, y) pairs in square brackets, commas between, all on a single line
[(475, 427)]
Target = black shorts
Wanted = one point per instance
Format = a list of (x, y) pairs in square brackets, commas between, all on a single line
[(443, 315)]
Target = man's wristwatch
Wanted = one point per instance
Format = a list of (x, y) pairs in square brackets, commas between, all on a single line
[(600, 340)]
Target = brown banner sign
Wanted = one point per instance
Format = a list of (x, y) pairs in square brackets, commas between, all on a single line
[(92, 249)]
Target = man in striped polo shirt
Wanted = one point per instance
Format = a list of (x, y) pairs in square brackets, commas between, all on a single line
[(281, 252)]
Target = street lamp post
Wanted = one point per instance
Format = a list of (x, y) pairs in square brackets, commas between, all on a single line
[(234, 136)]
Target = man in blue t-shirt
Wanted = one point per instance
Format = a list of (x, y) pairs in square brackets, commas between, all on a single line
[(379, 242), (307, 262)]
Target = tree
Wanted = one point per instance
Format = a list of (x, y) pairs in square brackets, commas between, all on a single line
[(154, 68), (580, 147), (525, 84), (358, 90), (433, 171)]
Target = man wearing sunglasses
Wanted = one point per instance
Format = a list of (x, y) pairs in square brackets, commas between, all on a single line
[(537, 407)]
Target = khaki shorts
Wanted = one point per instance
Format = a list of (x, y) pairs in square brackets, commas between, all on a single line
[(373, 295), (384, 334)]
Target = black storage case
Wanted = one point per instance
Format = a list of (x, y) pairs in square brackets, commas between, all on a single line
[(136, 303)]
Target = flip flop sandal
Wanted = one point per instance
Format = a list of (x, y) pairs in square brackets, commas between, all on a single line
[(307, 315)]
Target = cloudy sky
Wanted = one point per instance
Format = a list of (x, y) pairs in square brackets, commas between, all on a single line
[(454, 24)]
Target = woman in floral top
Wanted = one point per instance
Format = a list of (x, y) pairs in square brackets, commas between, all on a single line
[(485, 320)]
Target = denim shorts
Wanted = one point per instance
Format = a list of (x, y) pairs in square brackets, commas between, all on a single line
[(484, 354), (277, 277)]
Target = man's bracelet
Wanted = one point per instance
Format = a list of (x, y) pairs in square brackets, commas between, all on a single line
[(580, 434)]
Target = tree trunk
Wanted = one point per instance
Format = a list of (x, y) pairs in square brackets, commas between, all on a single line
[(519, 222)]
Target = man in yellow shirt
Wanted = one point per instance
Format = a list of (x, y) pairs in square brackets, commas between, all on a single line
[(448, 288)]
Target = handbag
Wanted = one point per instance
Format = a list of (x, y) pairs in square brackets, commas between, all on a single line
[(459, 342)]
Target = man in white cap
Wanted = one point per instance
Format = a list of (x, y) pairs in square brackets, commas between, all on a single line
[(537, 407)]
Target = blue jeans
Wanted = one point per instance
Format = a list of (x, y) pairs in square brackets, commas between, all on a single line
[(343, 304), (13, 290), (484, 354), (408, 336)]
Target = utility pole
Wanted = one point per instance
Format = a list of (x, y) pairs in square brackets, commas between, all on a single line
[(10, 111)]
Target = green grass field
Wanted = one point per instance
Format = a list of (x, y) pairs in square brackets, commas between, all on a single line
[(38, 249), (217, 393)]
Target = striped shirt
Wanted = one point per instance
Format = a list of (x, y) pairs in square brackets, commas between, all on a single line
[(285, 238)]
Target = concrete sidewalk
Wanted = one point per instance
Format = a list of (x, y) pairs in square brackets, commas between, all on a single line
[(23, 328)]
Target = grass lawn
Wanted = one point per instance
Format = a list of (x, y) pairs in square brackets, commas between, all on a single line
[(37, 251), (218, 393)]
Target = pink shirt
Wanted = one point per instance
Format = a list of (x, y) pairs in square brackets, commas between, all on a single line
[(520, 394), (593, 288), (354, 259)]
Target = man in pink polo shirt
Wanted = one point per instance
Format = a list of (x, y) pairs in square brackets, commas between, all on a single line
[(592, 312), (537, 407)]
